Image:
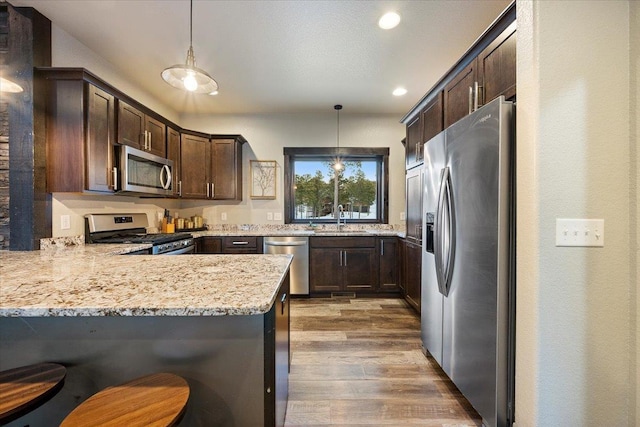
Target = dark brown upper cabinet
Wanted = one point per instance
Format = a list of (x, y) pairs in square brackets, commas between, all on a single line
[(225, 174), (460, 94), (194, 175), (80, 134), (497, 67), (413, 143), (211, 168), (140, 130), (432, 117), (173, 153)]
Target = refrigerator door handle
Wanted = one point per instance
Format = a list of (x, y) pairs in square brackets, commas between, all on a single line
[(449, 240), (438, 244)]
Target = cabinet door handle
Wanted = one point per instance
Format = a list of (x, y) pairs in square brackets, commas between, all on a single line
[(340, 258), (240, 243), (150, 143), (213, 190), (208, 190), (475, 96), (345, 258), (470, 99), (180, 188), (283, 300), (115, 179), (382, 248)]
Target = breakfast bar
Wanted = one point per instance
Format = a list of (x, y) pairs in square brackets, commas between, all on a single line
[(221, 322)]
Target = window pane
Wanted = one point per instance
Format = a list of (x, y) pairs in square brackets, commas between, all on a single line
[(314, 189)]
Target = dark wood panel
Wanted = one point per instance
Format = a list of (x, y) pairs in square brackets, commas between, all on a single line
[(456, 94), (194, 166), (413, 142), (157, 136), (413, 268), (100, 138), (388, 264), (226, 169), (244, 244), (65, 136), (342, 242), (325, 270), (209, 245), (432, 117), (173, 153), (414, 204), (131, 125), (497, 66), (360, 269)]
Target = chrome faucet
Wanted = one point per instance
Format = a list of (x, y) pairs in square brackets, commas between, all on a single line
[(340, 213)]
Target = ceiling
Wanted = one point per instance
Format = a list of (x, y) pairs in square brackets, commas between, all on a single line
[(279, 56)]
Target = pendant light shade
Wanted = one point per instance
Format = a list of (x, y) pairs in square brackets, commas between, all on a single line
[(188, 76)]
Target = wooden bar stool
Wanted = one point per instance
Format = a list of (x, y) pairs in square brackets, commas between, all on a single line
[(24, 389), (153, 400)]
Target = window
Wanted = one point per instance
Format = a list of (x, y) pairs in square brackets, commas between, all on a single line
[(310, 185)]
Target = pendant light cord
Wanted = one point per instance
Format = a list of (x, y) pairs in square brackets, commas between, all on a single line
[(191, 24)]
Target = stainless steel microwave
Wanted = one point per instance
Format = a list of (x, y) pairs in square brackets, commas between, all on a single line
[(144, 173)]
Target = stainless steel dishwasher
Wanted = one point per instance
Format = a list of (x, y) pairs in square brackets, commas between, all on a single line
[(299, 248)]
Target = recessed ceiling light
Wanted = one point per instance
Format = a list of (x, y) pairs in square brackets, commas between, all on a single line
[(399, 91), (389, 20)]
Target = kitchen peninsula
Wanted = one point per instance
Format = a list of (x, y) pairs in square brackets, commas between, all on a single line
[(221, 322)]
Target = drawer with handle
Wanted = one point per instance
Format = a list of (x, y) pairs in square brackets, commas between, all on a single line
[(242, 244)]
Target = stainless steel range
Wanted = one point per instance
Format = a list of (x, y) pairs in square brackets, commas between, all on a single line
[(132, 228)]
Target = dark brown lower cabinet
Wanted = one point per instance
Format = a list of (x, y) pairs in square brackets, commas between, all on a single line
[(209, 245), (413, 273), (229, 245), (389, 256), (342, 264)]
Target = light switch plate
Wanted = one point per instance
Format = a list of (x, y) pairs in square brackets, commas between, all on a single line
[(223, 216), (65, 222), (402, 216), (579, 232), (269, 216), (277, 216)]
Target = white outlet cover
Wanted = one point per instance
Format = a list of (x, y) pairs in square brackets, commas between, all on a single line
[(579, 232), (277, 216), (223, 216), (402, 216), (269, 216)]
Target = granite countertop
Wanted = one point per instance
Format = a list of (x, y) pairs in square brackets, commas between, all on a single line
[(307, 233), (94, 280)]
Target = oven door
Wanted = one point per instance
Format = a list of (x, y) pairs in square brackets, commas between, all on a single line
[(183, 251), (145, 173)]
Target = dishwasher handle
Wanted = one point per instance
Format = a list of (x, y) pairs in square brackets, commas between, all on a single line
[(296, 243)]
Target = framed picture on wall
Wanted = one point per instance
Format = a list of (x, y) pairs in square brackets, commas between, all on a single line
[(263, 179)]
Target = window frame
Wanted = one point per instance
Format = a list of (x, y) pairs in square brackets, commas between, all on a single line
[(380, 154)]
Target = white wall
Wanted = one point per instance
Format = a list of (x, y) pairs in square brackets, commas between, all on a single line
[(67, 51), (574, 318), (268, 134)]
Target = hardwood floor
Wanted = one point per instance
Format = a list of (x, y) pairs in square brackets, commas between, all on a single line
[(358, 362)]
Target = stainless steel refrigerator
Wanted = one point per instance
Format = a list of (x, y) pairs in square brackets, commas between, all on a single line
[(468, 300)]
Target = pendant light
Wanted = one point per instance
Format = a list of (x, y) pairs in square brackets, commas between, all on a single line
[(337, 165), (188, 76)]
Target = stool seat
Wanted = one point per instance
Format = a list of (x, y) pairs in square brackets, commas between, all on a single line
[(153, 400), (23, 389)]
